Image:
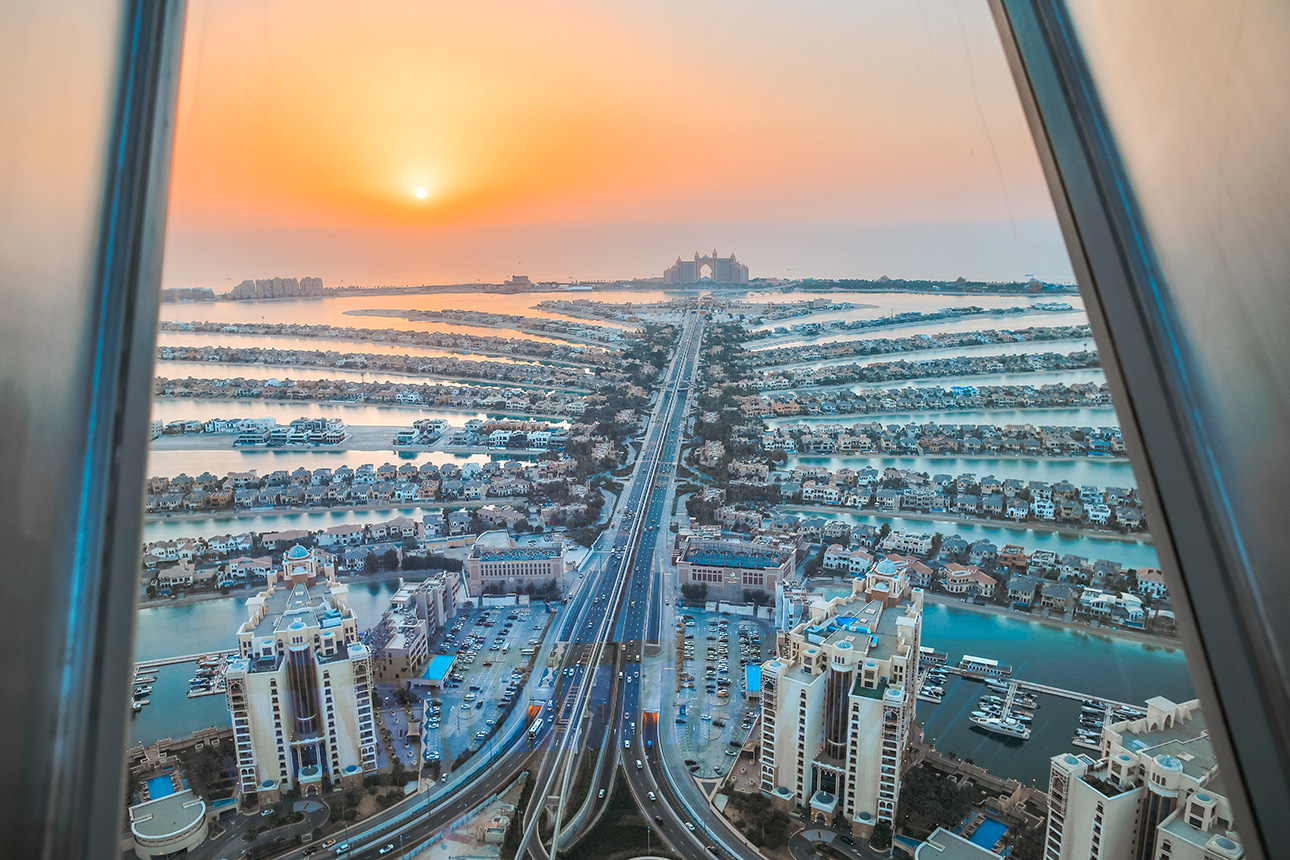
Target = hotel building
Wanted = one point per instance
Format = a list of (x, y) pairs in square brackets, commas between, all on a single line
[(497, 564), (837, 706), (1154, 794), (728, 568), (299, 691)]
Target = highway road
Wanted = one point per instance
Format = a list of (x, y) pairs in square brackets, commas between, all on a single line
[(621, 602)]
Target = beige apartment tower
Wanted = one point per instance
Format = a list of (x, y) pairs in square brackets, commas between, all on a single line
[(1153, 794), (300, 690), (838, 706)]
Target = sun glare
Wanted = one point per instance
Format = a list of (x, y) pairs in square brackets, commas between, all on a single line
[(421, 194)]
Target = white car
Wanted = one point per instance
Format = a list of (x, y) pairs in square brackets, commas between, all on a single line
[(689, 825)]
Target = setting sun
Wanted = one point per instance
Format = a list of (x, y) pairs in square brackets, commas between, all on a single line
[(421, 194)]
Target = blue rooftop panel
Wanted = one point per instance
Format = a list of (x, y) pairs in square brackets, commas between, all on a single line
[(440, 666), (740, 560)]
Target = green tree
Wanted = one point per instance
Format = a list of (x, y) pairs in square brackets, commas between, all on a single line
[(390, 559), (881, 838), (370, 563), (695, 591)]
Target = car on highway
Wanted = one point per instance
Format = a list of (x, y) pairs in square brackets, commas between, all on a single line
[(600, 793), (651, 795), (342, 848), (386, 849), (689, 825)]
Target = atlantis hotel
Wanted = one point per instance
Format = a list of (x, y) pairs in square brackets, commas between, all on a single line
[(300, 690)]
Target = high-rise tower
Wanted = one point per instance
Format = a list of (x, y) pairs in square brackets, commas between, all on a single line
[(300, 690)]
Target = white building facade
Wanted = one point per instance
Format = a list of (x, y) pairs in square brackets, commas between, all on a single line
[(300, 690), (837, 709), (1154, 793)]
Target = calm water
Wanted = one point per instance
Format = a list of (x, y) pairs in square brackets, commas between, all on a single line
[(219, 370), (1099, 472), (1127, 554), (884, 303), (331, 311), (1088, 416), (1046, 653), (229, 339), (1041, 377), (193, 338), (166, 409)]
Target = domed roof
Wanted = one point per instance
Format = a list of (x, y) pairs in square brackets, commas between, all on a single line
[(297, 552)]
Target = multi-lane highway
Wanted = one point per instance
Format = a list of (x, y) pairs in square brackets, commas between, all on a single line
[(616, 603), (598, 686)]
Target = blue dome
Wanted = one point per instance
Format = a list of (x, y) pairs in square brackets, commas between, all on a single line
[(297, 552)]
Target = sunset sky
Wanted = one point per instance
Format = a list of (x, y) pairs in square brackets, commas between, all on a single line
[(600, 140)]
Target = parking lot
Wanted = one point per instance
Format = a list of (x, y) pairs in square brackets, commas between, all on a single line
[(714, 715), (494, 650)]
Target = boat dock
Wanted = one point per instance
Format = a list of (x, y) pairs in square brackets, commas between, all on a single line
[(1075, 695), (145, 665), (1009, 707)]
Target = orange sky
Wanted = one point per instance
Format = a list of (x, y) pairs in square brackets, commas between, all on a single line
[(324, 118)]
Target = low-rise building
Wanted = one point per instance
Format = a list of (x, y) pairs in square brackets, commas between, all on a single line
[(400, 641), (497, 564), (728, 568), (168, 824), (969, 580), (1151, 581)]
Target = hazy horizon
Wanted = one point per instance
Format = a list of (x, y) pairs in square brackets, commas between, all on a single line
[(582, 141)]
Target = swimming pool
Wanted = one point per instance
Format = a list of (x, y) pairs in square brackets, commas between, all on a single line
[(160, 786), (988, 833)]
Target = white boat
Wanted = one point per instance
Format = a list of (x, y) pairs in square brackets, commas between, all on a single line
[(1008, 727), (137, 706)]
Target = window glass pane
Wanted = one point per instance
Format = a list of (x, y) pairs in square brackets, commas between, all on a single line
[(701, 389)]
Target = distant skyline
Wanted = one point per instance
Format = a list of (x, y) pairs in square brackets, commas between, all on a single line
[(436, 143)]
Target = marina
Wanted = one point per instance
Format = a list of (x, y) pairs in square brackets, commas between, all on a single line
[(1007, 709)]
